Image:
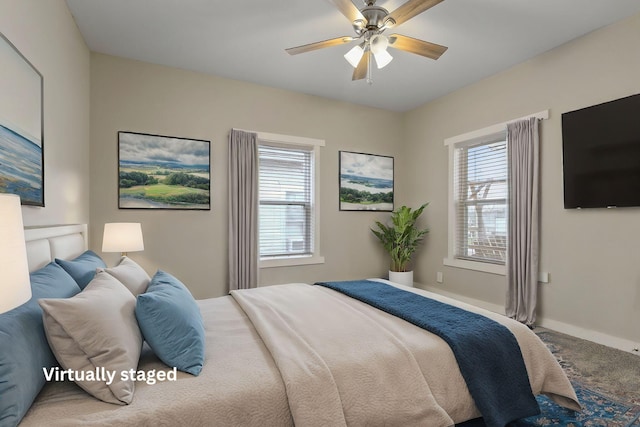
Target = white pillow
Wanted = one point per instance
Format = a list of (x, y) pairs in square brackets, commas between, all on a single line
[(96, 331), (130, 274)]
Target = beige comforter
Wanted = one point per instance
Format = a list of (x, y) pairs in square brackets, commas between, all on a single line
[(305, 354), (346, 363)]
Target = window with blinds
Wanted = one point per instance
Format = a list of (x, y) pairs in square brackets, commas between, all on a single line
[(480, 201), (286, 196)]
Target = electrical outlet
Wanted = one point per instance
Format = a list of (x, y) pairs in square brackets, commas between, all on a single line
[(543, 277), (439, 277)]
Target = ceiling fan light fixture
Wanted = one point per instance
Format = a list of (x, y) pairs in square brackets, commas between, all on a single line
[(354, 55), (369, 23), (379, 44), (383, 58)]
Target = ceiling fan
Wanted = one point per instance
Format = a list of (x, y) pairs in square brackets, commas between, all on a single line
[(369, 23)]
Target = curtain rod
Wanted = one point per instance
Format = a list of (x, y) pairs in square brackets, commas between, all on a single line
[(498, 127), (274, 137)]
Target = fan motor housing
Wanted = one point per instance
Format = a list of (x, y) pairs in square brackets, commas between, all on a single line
[(375, 16)]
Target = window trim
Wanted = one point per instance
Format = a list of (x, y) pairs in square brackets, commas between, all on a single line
[(470, 138), (285, 141)]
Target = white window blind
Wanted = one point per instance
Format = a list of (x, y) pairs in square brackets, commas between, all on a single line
[(480, 200), (286, 195)]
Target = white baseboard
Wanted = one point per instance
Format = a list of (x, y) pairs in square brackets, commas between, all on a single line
[(593, 336), (565, 328)]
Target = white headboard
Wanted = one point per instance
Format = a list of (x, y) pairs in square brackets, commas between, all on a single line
[(44, 244)]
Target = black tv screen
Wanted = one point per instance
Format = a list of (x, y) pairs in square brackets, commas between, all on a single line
[(601, 155)]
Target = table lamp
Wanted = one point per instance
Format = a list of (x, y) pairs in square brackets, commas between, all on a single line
[(122, 237), (15, 285)]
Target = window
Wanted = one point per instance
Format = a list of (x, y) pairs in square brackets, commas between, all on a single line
[(480, 188), (288, 211), (285, 201), (478, 208)]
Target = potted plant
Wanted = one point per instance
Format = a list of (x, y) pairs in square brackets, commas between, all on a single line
[(401, 240)]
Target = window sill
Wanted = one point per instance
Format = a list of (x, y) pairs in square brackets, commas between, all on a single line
[(291, 261), (477, 266)]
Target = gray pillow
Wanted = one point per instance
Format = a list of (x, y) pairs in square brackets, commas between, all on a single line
[(96, 330), (130, 274)]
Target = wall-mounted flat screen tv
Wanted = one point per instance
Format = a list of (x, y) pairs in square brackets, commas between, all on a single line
[(601, 155)]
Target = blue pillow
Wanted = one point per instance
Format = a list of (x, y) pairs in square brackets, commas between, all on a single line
[(24, 349), (171, 323), (83, 268)]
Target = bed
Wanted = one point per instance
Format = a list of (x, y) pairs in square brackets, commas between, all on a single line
[(309, 356)]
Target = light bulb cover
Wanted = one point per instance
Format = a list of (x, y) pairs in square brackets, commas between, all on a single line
[(354, 56), (378, 43), (382, 58)]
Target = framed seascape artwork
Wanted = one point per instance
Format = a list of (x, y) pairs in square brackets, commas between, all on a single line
[(366, 182), (21, 126), (163, 172)]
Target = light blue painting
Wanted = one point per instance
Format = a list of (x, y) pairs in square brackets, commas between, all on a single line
[(20, 166), (366, 182), (21, 130)]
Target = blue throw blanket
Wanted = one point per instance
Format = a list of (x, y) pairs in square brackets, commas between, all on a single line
[(487, 353)]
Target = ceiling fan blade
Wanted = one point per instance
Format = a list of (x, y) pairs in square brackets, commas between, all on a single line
[(363, 66), (410, 9), (348, 9), (319, 45), (419, 47)]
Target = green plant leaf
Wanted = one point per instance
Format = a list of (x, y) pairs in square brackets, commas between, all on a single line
[(401, 239)]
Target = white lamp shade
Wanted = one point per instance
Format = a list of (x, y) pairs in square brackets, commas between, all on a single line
[(15, 285), (122, 237), (382, 58), (379, 43), (354, 56)]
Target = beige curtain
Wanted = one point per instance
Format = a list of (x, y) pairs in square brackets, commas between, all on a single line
[(243, 210), (523, 241)]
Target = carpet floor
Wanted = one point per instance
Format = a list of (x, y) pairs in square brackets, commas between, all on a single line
[(606, 380)]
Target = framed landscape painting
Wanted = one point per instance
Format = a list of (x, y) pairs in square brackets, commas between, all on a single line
[(366, 182), (163, 172), (21, 126)]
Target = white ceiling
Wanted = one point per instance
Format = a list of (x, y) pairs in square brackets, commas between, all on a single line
[(245, 40)]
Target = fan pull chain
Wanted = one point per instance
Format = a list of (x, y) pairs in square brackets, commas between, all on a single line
[(369, 79)]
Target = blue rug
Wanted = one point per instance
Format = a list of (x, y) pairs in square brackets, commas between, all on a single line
[(598, 411), (604, 404)]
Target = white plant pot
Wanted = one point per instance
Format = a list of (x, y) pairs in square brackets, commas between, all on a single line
[(401, 277)]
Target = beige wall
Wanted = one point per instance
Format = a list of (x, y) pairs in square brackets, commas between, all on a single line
[(134, 96), (592, 255), (46, 34)]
